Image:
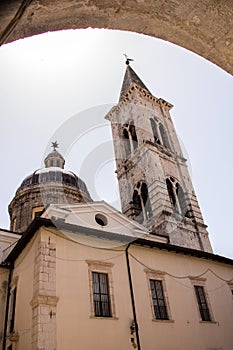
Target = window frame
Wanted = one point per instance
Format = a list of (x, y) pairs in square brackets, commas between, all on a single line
[(12, 306), (104, 268), (203, 306), (12, 309), (101, 295), (14, 222), (158, 276), (202, 283), (36, 210), (230, 284), (157, 293)]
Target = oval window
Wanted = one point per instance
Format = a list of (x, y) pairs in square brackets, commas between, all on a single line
[(101, 220)]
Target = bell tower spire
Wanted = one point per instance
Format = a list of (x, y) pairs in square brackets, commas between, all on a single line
[(155, 186), (130, 79)]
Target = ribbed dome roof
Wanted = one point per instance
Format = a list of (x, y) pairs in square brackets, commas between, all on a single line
[(53, 174)]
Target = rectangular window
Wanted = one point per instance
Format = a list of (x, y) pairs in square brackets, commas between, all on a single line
[(160, 308), (12, 310), (202, 303), (36, 212), (101, 295)]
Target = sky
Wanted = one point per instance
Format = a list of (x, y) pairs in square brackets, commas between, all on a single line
[(60, 85)]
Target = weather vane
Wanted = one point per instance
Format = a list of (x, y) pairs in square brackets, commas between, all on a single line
[(128, 60), (55, 145)]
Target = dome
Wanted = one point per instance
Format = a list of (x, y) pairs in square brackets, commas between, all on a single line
[(53, 174), (49, 185)]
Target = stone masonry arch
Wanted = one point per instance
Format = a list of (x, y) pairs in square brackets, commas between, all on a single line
[(204, 27)]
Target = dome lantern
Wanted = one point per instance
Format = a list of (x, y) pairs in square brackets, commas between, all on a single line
[(54, 158)]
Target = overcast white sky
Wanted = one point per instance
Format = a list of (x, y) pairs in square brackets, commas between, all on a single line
[(59, 86)]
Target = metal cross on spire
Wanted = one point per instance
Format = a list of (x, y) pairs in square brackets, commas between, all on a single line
[(128, 60), (55, 145)]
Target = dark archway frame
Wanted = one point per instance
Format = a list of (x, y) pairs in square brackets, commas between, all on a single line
[(205, 27)]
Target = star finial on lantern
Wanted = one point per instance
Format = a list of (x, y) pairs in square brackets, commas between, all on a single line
[(55, 145)]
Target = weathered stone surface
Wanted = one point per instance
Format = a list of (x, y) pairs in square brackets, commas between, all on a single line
[(154, 183), (204, 27), (44, 298)]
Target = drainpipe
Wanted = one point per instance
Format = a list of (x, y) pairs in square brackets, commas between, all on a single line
[(7, 307), (132, 297)]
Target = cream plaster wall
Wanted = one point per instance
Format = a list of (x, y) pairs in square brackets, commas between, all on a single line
[(75, 321), (185, 330), (72, 316)]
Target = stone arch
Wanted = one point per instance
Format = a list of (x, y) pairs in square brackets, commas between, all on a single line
[(176, 196), (141, 202), (202, 27)]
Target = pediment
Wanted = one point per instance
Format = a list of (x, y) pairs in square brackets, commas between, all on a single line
[(95, 215)]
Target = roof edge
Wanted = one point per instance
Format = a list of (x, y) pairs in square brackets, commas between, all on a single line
[(39, 222)]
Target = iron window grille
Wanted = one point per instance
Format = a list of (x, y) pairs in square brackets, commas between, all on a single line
[(202, 303), (101, 297), (159, 304)]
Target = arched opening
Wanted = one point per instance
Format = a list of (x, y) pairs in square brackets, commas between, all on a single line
[(164, 136), (203, 31), (141, 202), (130, 138), (176, 196), (154, 128), (171, 193), (181, 199), (126, 141), (133, 135)]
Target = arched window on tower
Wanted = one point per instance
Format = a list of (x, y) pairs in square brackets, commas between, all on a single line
[(130, 138), (126, 141), (177, 197), (154, 128), (141, 202), (164, 136), (181, 199), (171, 193)]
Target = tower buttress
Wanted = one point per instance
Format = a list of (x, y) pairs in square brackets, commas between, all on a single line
[(155, 186)]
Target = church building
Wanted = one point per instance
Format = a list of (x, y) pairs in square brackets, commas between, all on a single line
[(78, 274)]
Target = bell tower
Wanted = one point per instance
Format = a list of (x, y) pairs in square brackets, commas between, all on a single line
[(155, 186)]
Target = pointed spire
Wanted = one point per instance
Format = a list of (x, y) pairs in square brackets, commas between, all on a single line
[(131, 78)]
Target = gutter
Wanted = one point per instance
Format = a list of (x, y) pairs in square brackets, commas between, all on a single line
[(134, 326)]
